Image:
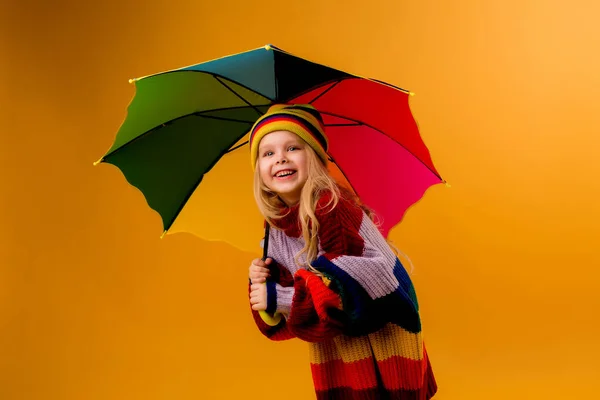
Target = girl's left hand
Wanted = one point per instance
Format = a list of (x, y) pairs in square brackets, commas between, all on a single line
[(258, 296)]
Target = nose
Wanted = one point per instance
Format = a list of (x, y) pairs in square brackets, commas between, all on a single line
[(282, 160)]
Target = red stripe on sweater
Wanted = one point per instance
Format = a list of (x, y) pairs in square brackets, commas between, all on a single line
[(402, 373), (396, 373), (358, 375), (339, 228)]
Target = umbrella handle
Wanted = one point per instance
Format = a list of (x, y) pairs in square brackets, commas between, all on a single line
[(269, 319)]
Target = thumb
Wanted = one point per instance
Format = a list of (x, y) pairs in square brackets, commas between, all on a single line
[(268, 260)]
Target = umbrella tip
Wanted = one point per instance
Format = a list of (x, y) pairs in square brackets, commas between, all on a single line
[(447, 184), (163, 234), (268, 47), (133, 80), (411, 93), (98, 162)]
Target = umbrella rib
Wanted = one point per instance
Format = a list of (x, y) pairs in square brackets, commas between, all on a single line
[(195, 186), (237, 147), (299, 94), (213, 74), (197, 113), (222, 118), (237, 94), (389, 84), (275, 77), (227, 109), (350, 75), (383, 133), (312, 88), (324, 91)]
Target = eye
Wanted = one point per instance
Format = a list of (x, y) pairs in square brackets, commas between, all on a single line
[(292, 148), (267, 153)]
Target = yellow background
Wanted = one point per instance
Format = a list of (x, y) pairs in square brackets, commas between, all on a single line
[(93, 305)]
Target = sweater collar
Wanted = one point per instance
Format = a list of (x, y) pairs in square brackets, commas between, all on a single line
[(289, 223)]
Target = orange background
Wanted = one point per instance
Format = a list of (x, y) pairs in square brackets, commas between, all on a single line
[(93, 305)]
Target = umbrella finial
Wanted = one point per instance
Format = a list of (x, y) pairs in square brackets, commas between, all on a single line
[(268, 47), (133, 80), (411, 93)]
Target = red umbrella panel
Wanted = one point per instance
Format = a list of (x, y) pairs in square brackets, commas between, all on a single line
[(375, 143)]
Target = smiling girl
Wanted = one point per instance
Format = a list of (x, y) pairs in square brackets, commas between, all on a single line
[(330, 274)]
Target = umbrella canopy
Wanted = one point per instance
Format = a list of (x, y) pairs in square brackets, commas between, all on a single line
[(183, 143)]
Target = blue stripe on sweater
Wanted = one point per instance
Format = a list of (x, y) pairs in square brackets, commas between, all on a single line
[(363, 315)]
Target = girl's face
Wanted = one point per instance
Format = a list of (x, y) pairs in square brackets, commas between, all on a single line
[(282, 164)]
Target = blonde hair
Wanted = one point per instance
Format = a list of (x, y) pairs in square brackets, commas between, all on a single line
[(318, 182)]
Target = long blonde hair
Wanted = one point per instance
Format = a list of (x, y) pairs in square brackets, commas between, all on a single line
[(318, 181)]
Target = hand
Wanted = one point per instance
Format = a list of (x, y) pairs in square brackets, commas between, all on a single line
[(258, 296), (258, 271)]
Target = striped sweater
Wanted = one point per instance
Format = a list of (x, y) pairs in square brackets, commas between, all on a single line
[(361, 319)]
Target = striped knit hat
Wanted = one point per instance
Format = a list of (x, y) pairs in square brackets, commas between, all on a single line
[(302, 119)]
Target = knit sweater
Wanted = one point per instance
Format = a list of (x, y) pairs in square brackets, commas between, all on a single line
[(361, 319)]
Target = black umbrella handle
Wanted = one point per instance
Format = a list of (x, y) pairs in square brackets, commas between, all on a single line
[(269, 319), (266, 242)]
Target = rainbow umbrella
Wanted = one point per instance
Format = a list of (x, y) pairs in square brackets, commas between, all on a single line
[(183, 143)]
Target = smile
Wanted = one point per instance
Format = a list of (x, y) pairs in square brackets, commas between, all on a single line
[(285, 173)]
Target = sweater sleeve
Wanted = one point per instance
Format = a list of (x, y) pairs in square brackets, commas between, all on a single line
[(280, 280), (373, 285), (306, 302), (363, 287)]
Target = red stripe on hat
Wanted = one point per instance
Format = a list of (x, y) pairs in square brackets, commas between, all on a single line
[(291, 119)]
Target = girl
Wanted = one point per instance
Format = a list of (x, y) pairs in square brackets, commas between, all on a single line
[(331, 276)]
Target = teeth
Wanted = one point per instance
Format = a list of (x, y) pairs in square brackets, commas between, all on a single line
[(284, 173)]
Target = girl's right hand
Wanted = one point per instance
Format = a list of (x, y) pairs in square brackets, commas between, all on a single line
[(258, 271)]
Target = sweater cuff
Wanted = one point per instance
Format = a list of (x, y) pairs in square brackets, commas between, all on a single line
[(284, 298)]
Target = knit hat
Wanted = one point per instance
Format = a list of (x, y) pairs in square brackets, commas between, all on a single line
[(302, 119)]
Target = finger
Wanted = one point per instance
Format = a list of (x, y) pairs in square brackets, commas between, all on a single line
[(256, 274), (259, 270), (258, 303)]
